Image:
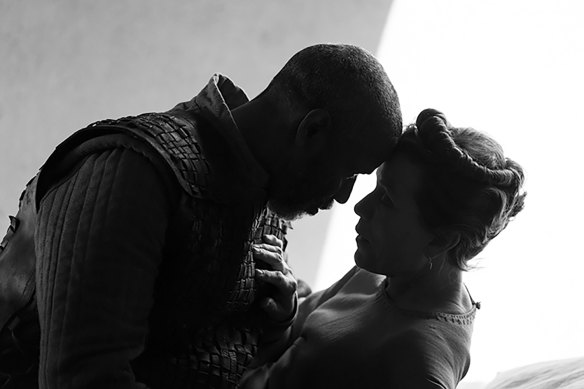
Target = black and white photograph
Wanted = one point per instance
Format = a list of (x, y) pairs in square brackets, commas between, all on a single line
[(278, 194)]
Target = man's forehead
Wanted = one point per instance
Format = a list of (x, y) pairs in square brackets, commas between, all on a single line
[(351, 165), (368, 162), (364, 155)]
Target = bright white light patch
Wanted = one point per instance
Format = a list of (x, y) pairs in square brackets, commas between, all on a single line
[(514, 70)]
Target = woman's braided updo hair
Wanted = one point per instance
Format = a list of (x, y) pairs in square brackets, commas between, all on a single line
[(469, 187)]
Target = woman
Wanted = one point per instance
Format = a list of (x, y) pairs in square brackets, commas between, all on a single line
[(402, 318)]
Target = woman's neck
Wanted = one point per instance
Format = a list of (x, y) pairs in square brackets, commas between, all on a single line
[(437, 290)]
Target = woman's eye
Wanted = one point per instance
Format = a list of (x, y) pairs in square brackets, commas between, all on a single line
[(386, 199)]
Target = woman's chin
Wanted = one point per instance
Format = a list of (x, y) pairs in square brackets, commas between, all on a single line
[(360, 258)]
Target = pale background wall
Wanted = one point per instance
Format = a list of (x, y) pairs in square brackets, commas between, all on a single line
[(67, 63)]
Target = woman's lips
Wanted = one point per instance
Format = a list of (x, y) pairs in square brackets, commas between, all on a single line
[(360, 239), (358, 230)]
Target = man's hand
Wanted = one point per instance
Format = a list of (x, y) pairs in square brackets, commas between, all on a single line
[(282, 304)]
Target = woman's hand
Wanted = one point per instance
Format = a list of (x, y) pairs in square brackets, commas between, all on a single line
[(281, 305)]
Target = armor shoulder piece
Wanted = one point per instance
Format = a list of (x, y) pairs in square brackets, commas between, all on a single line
[(175, 139)]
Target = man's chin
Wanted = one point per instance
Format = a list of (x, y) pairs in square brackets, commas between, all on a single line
[(287, 213), (294, 213)]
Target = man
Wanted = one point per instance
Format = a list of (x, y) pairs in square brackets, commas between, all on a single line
[(145, 225)]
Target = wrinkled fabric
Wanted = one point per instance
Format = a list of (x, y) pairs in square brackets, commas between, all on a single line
[(100, 240), (351, 336), (559, 374)]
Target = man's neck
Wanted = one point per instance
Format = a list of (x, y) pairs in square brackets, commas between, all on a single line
[(264, 131)]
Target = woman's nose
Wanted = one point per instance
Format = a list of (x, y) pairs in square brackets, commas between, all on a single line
[(362, 206)]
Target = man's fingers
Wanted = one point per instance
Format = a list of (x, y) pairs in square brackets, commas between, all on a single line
[(273, 240), (272, 257), (278, 279), (270, 247)]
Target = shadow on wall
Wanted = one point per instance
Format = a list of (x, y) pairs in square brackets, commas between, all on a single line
[(66, 64)]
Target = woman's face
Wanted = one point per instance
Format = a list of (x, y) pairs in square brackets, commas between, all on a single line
[(392, 239)]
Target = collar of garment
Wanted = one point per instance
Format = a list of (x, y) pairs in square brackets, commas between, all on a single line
[(215, 102), (246, 179)]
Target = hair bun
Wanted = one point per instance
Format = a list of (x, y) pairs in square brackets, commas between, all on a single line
[(433, 130), (437, 136), (437, 117)]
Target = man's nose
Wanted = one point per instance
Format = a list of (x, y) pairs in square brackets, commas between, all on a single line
[(345, 190)]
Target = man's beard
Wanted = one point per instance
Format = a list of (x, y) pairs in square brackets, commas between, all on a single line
[(292, 211)]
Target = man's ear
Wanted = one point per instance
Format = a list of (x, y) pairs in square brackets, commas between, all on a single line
[(314, 128), (442, 244)]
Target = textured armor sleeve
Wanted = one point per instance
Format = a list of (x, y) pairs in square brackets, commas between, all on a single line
[(100, 238)]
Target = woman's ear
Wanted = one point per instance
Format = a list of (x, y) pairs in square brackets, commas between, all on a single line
[(314, 129), (442, 244)]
